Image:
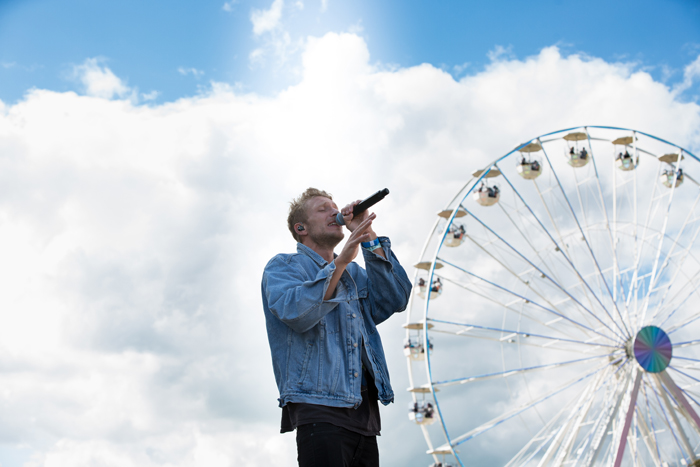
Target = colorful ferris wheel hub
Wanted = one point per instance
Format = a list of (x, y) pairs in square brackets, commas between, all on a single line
[(653, 349)]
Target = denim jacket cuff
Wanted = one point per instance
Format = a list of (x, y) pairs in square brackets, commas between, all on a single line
[(386, 246)]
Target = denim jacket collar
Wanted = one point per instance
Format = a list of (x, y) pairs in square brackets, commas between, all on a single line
[(301, 248)]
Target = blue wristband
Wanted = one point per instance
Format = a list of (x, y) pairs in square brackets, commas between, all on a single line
[(371, 245)]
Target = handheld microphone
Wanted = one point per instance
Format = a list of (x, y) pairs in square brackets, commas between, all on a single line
[(364, 205)]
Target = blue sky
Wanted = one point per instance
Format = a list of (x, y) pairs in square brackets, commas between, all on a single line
[(146, 43)]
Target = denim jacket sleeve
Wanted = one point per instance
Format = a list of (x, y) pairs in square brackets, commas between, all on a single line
[(295, 296), (389, 283)]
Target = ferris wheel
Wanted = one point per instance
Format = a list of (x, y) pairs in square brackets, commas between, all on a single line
[(555, 318)]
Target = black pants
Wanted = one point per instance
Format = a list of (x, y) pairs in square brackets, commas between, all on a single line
[(327, 445)]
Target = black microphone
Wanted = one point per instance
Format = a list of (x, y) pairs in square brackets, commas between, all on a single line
[(364, 205)]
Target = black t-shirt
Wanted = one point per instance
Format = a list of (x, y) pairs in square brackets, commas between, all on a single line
[(363, 420)]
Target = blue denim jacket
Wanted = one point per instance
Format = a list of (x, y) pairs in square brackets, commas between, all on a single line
[(316, 344)]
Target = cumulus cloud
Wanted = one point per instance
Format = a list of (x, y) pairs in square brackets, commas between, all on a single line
[(99, 81), (133, 237), (267, 20), (691, 75)]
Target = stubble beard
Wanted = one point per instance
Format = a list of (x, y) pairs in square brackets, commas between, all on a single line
[(327, 239)]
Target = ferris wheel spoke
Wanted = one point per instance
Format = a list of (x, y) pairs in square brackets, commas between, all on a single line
[(615, 267), (662, 236), (624, 331), (543, 436), (527, 284), (670, 308), (685, 253), (559, 246), (551, 270), (561, 446), (601, 276), (688, 321), (508, 415), (639, 248), (515, 371), (515, 294), (594, 440), (511, 308), (509, 333), (559, 286)]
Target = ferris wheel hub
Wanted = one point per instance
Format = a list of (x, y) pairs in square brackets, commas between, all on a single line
[(652, 349)]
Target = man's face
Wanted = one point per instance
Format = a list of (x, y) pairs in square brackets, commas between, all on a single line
[(320, 222)]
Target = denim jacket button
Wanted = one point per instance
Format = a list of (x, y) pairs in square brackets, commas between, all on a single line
[(355, 344), (354, 315), (356, 374)]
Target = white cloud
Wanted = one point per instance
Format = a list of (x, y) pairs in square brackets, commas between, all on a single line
[(324, 5), (99, 81), (228, 6), (267, 20), (133, 237), (190, 71), (691, 74), (150, 96)]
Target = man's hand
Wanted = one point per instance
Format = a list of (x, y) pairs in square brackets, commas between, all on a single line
[(352, 247), (352, 221), (360, 233)]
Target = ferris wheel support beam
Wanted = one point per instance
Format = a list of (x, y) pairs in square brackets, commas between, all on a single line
[(647, 438), (657, 452), (562, 447), (605, 422), (628, 419), (679, 433), (685, 408)]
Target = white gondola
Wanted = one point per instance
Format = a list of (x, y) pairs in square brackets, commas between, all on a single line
[(529, 167), (669, 174), (435, 288), (487, 195), (577, 157), (456, 233), (455, 236), (421, 412), (624, 160), (414, 348)]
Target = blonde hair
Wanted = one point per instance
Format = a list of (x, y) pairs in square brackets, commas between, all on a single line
[(297, 209)]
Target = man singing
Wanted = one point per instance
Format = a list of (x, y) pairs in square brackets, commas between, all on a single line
[(322, 312)]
